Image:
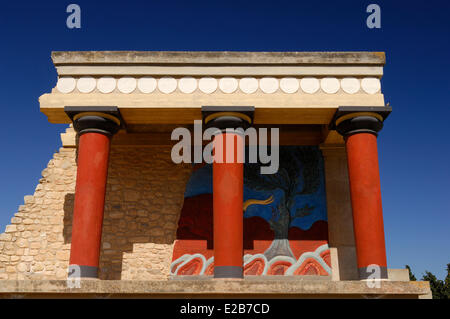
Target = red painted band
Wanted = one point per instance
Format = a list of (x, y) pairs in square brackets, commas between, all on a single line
[(364, 177), (228, 194), (93, 153)]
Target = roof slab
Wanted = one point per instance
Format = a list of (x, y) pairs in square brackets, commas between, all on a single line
[(169, 88)]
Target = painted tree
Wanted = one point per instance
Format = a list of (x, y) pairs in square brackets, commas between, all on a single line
[(298, 175)]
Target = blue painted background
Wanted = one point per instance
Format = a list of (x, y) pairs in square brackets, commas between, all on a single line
[(200, 182)]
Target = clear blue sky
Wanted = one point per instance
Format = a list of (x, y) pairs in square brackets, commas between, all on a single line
[(413, 147)]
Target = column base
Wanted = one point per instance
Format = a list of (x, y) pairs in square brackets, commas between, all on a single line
[(371, 272), (230, 272), (77, 271)]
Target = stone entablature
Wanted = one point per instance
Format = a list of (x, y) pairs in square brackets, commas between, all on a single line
[(171, 87), (210, 85)]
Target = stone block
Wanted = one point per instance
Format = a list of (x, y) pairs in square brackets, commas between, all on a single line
[(22, 267), (29, 199), (11, 229), (22, 243), (398, 274), (5, 237)]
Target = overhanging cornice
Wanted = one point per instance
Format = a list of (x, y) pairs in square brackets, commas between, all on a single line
[(217, 57), (158, 87)]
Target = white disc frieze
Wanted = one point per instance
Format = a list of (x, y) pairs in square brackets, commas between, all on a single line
[(207, 85), (310, 85), (86, 84), (187, 84), (289, 85), (248, 85), (268, 85), (127, 84), (147, 84), (167, 85), (371, 85), (106, 84), (228, 84), (330, 85), (66, 84), (350, 85)]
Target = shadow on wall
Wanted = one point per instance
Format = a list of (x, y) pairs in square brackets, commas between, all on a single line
[(144, 196)]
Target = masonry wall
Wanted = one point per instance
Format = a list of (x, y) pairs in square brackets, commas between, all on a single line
[(339, 211), (144, 197)]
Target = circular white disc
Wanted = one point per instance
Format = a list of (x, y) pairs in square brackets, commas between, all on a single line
[(167, 84), (371, 85), (228, 85), (330, 85), (146, 84), (248, 85), (268, 85), (86, 84), (106, 84), (350, 85), (66, 84), (310, 85), (207, 85), (127, 84), (187, 84), (289, 85)]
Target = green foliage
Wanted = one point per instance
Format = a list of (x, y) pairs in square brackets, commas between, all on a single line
[(436, 285), (447, 283), (440, 289), (411, 275)]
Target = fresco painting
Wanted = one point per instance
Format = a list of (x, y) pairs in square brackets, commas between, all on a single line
[(285, 219)]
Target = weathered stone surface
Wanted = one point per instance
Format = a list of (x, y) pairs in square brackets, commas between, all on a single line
[(253, 288), (217, 57), (10, 228), (37, 243), (5, 237)]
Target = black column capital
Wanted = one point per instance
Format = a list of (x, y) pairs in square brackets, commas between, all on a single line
[(350, 120), (99, 119), (228, 117)]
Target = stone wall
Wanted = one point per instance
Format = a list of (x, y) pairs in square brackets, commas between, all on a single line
[(144, 197), (339, 212)]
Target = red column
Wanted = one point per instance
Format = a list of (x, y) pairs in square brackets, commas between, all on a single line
[(364, 177), (228, 188), (93, 153)]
